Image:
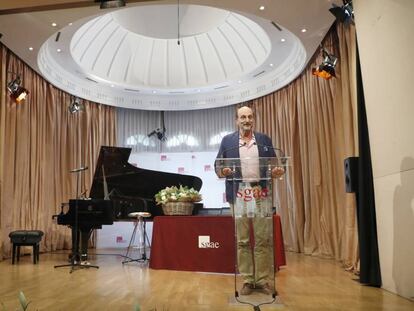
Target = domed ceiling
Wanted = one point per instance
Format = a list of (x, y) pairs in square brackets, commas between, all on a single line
[(169, 56)]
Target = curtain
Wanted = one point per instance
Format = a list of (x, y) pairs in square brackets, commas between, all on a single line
[(41, 142), (313, 121), (3, 70), (194, 130), (134, 127), (370, 272)]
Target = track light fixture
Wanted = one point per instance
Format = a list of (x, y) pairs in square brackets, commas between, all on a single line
[(160, 132), (16, 90), (110, 4), (327, 69), (344, 13), (75, 105)]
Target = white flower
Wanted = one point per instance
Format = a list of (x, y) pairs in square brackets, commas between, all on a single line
[(174, 194)]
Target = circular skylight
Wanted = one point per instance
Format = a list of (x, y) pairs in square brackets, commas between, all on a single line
[(151, 57)]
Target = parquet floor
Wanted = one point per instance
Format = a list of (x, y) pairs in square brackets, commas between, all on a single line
[(306, 283)]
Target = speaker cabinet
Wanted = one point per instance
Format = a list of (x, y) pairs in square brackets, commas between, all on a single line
[(351, 174)]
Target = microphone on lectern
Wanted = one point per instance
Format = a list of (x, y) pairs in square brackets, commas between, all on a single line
[(266, 148)]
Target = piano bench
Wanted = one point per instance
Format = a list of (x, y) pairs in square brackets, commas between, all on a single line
[(26, 238)]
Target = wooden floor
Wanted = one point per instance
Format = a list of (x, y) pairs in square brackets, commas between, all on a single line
[(306, 283)]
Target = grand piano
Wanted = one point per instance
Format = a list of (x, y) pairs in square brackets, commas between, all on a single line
[(118, 188)]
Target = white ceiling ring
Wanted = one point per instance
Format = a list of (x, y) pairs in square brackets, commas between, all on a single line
[(130, 58), (230, 51)]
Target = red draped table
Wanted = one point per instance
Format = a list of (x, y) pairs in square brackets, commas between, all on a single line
[(201, 243)]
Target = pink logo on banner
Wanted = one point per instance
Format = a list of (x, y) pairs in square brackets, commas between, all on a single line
[(181, 170), (248, 194), (207, 168), (163, 157), (119, 239)]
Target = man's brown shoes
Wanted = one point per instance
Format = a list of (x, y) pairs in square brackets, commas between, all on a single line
[(247, 289), (267, 289)]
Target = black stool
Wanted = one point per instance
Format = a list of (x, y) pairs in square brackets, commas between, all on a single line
[(26, 238)]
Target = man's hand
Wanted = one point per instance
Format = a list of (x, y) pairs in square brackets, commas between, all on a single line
[(226, 171), (277, 171)]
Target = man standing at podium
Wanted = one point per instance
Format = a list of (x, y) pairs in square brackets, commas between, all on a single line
[(245, 143)]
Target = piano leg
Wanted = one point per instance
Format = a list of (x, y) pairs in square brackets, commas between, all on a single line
[(75, 247), (84, 239), (79, 254)]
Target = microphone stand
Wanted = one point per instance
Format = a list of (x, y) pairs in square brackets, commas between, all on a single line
[(75, 260), (266, 148)]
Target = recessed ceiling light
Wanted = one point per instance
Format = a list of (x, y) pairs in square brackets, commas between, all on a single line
[(304, 30), (54, 24), (112, 85), (198, 90), (30, 48), (240, 81), (154, 92), (283, 40), (261, 8), (70, 24), (58, 50), (271, 65)]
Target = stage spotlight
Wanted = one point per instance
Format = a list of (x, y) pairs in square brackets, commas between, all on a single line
[(16, 90), (159, 133), (75, 105), (345, 13), (110, 4), (327, 69)]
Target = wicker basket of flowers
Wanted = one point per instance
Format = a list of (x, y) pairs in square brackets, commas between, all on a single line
[(177, 200)]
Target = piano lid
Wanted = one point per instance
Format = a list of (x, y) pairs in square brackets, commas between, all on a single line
[(114, 175)]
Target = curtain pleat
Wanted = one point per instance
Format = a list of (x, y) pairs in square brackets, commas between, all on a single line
[(41, 142), (313, 121), (134, 127), (186, 131), (3, 70)]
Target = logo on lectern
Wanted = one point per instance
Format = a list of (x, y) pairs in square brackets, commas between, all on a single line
[(204, 242), (257, 193)]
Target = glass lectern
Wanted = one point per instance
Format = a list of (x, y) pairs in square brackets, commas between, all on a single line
[(251, 181)]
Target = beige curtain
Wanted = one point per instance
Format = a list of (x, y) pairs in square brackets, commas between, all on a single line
[(40, 142), (313, 121), (3, 53)]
